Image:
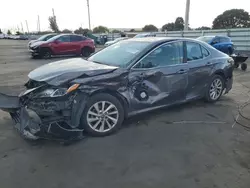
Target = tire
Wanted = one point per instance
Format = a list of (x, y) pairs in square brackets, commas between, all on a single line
[(46, 53), (243, 66), (93, 124), (86, 52), (236, 65), (216, 79)]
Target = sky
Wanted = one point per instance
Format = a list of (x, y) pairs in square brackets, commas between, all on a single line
[(111, 13)]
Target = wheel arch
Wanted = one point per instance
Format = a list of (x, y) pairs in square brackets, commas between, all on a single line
[(117, 95)]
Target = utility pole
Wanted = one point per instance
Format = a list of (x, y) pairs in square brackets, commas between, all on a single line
[(187, 15), (22, 26), (27, 26), (88, 14), (38, 23)]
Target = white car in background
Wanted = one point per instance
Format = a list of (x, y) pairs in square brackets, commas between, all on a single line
[(115, 41), (2, 36)]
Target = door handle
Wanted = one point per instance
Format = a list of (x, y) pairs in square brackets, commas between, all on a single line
[(208, 63), (181, 71)]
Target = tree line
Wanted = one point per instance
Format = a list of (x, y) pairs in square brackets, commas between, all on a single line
[(234, 18)]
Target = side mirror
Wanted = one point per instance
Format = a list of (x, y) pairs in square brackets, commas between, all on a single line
[(56, 42)]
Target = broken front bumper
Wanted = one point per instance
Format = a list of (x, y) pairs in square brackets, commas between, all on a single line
[(43, 118)]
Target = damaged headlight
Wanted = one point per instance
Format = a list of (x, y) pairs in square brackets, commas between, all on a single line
[(58, 92)]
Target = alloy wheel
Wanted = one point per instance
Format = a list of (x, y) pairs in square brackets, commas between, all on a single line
[(102, 116), (216, 89)]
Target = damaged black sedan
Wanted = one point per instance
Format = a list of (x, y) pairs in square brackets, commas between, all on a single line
[(67, 97)]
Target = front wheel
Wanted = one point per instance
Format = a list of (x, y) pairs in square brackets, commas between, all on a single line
[(215, 88), (46, 54), (103, 115)]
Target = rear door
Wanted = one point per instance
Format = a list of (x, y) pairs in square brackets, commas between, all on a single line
[(76, 42), (200, 67), (63, 46), (160, 78)]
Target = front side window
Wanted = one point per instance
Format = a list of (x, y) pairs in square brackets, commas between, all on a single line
[(168, 54), (193, 51), (64, 39)]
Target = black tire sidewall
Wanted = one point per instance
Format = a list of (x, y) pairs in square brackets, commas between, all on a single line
[(44, 52), (102, 97), (243, 66), (208, 98), (85, 52)]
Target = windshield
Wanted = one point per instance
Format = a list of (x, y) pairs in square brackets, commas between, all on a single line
[(45, 37), (205, 39), (120, 54), (53, 38)]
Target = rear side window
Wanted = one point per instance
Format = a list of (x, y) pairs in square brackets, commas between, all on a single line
[(75, 38), (64, 38), (193, 51), (204, 51)]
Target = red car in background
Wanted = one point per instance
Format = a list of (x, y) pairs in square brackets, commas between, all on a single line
[(64, 44)]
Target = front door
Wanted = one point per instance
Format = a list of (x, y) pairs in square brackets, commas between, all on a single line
[(200, 67), (160, 78), (63, 46)]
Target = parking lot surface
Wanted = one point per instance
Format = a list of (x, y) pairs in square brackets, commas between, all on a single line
[(191, 145)]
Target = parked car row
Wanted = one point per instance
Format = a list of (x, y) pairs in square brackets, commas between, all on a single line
[(14, 37)]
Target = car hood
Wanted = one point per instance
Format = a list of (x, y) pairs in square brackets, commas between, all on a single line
[(32, 42), (37, 43), (60, 72)]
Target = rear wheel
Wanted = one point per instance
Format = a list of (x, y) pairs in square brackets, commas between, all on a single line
[(215, 88), (103, 115), (86, 52)]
